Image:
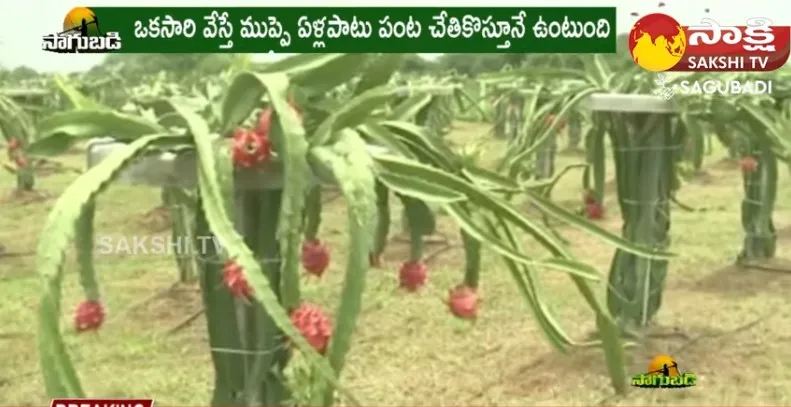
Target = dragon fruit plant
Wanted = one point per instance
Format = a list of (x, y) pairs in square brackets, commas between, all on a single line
[(764, 130), (276, 123), (647, 146), (18, 129)]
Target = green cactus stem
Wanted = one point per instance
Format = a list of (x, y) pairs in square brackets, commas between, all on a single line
[(382, 219), (181, 206), (84, 245), (313, 208), (574, 131), (760, 193), (221, 320), (420, 222), (472, 255)]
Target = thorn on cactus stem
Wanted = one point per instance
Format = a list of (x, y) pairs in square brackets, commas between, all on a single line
[(89, 316)]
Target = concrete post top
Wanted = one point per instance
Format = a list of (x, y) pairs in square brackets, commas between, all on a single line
[(613, 102)]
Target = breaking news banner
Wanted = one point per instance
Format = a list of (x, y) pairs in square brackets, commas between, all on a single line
[(102, 403), (335, 29)]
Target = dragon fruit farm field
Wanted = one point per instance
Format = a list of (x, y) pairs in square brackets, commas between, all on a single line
[(414, 343)]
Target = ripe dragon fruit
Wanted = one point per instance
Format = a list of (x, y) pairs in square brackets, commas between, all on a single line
[(412, 275), (594, 210), (463, 302), (315, 257), (250, 148), (749, 164), (314, 325), (235, 281), (88, 316)]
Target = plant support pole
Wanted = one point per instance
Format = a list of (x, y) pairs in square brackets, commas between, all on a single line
[(644, 147)]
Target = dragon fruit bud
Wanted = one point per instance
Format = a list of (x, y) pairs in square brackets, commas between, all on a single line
[(235, 281), (264, 123), (250, 148), (463, 302), (749, 164), (413, 275), (314, 325), (20, 161), (293, 103), (14, 144), (88, 316), (315, 257)]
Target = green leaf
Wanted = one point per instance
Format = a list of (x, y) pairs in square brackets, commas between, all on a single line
[(333, 72), (379, 72), (410, 107), (527, 283), (352, 169), (90, 123), (242, 96), (490, 179), (296, 176), (300, 64), (420, 221), (77, 99), (557, 212), (433, 146), (60, 377), (489, 240), (380, 136), (477, 196), (420, 189), (51, 146), (353, 113)]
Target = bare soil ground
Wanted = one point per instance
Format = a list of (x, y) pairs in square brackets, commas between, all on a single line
[(729, 326)]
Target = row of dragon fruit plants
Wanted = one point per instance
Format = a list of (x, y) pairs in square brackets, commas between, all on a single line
[(281, 121)]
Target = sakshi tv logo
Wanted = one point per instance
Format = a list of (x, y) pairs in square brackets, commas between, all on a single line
[(658, 43), (81, 34)]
